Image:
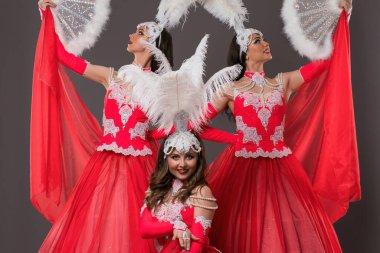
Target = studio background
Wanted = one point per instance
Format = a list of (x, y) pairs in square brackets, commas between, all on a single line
[(22, 228)]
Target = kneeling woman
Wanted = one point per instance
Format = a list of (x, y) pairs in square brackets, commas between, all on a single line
[(179, 206)]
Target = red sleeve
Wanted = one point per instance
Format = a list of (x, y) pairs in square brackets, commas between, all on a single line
[(152, 228), (200, 228), (75, 63), (157, 134), (313, 69), (217, 135)]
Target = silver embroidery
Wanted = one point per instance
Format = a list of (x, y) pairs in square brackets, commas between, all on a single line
[(264, 114), (118, 93), (125, 112), (263, 107), (275, 153), (278, 134), (125, 151), (206, 224), (109, 126), (249, 133), (139, 130), (170, 212)]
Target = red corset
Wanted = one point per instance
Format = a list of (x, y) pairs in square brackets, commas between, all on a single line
[(260, 120), (125, 124)]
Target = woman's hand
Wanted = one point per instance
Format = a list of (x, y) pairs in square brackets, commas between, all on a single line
[(346, 4), (184, 237), (44, 3)]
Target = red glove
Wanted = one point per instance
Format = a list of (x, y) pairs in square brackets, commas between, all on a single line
[(211, 112), (312, 69), (217, 135), (200, 228), (75, 63), (157, 134), (152, 228)]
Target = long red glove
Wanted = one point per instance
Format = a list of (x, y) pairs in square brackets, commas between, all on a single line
[(217, 135), (157, 134), (75, 63), (312, 69), (151, 228), (200, 228)]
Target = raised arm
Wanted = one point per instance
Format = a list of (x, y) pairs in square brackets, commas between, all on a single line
[(99, 74)]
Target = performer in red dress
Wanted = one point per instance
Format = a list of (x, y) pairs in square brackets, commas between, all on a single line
[(88, 184), (294, 167), (179, 205)]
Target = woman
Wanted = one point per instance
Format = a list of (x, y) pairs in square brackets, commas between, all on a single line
[(102, 212), (179, 206), (266, 200)]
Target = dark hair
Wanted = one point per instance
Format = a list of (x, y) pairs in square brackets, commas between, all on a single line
[(161, 179), (234, 58), (166, 46)]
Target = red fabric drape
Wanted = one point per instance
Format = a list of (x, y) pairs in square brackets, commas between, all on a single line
[(63, 132), (320, 129)]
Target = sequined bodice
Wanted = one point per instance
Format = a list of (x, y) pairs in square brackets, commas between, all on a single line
[(125, 124), (260, 120)]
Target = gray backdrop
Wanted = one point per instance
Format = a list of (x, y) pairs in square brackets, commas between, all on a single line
[(22, 228)]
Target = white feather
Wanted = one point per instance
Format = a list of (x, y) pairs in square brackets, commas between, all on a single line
[(297, 36), (164, 65), (170, 13), (180, 90), (231, 12), (217, 84)]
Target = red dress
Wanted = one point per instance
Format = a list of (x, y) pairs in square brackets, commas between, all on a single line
[(269, 204), (102, 213), (159, 224)]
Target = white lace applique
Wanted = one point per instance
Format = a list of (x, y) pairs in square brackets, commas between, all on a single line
[(125, 151), (139, 130), (109, 126), (264, 114), (170, 212), (252, 99), (125, 113), (275, 153), (249, 133), (206, 224), (264, 106), (278, 133), (118, 93)]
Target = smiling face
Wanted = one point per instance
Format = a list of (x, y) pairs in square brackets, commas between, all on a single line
[(182, 166), (258, 49), (133, 44)]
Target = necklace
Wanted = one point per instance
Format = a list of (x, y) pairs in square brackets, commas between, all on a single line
[(258, 78)]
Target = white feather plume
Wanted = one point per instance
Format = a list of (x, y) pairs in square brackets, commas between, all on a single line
[(216, 85), (164, 65), (180, 90), (144, 84), (171, 12), (231, 12)]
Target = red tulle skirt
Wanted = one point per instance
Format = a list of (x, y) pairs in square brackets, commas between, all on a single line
[(102, 214), (267, 205)]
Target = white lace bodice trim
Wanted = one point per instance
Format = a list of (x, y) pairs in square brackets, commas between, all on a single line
[(125, 151), (139, 130), (261, 153), (109, 126), (170, 212), (249, 133)]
